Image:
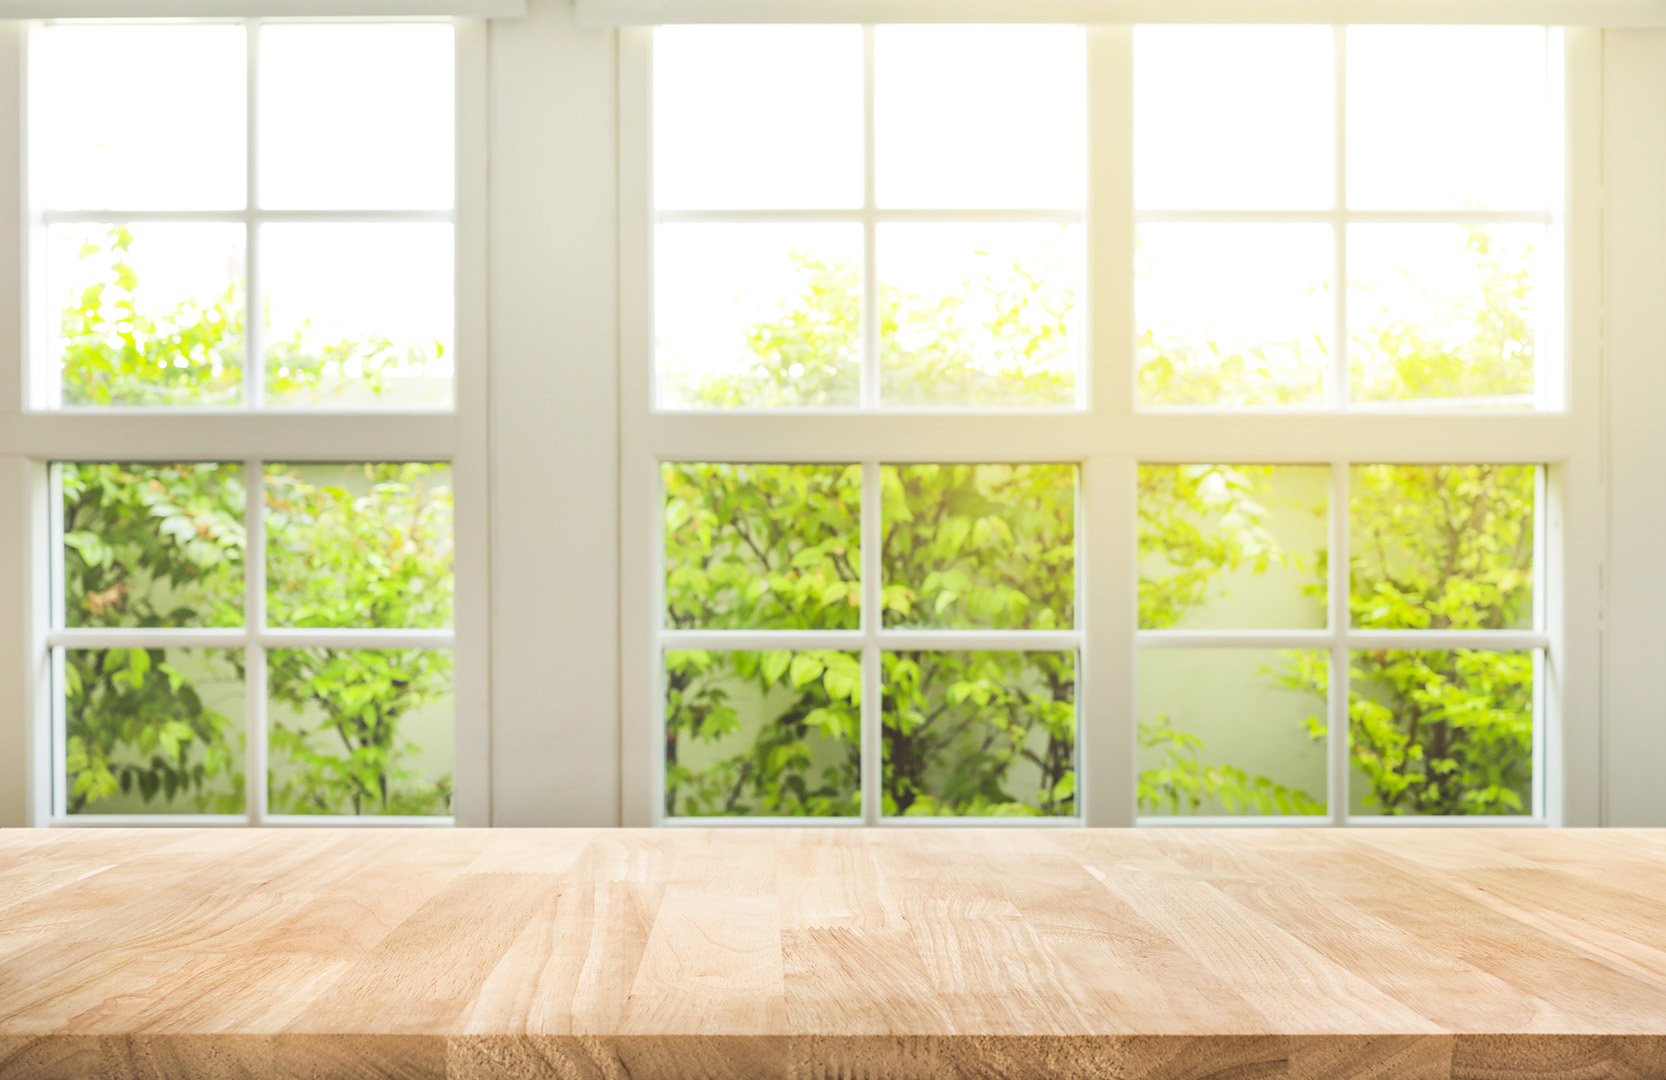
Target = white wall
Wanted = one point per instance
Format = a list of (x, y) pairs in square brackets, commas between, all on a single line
[(554, 422), (1634, 706)]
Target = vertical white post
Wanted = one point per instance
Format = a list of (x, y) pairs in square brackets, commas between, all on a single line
[(471, 471), (26, 775), (1337, 583), (254, 653), (1108, 607), (254, 323), (1340, 390), (1106, 694), (23, 770), (872, 713), (1576, 524), (872, 529), (868, 392), (1110, 224), (1339, 685), (641, 503), (48, 606)]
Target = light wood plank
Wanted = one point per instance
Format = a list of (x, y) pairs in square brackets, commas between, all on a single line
[(805, 954)]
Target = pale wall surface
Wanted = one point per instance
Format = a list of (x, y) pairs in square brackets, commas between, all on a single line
[(1634, 699), (554, 429)]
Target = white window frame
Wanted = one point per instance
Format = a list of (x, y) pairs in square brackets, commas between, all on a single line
[(1108, 436), (35, 436)]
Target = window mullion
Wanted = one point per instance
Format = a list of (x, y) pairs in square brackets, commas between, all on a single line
[(872, 711), (1337, 701), (57, 687), (1105, 694), (1111, 222), (1340, 690), (254, 367), (868, 381), (1339, 288), (254, 653)]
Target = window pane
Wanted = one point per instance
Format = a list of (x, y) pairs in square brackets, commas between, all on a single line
[(979, 546), (1234, 117), (762, 547), (153, 545), (980, 116), (360, 731), (1447, 117), (774, 733), (147, 314), (1441, 732), (141, 117), (1232, 731), (153, 731), (979, 314), (1444, 315), (757, 316), (980, 734), (357, 116), (1233, 547), (1442, 547), (758, 117), (1234, 314), (358, 316), (359, 546)]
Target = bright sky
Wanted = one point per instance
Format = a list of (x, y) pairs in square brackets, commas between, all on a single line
[(1236, 285), (1234, 117)]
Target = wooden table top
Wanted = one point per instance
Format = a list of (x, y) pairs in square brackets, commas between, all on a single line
[(786, 953)]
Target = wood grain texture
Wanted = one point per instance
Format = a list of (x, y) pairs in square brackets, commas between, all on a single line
[(806, 954)]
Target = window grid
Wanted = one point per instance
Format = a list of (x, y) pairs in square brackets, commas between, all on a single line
[(294, 435), (873, 640), (1341, 638), (251, 217), (870, 215), (1108, 437), (1340, 216), (255, 638)]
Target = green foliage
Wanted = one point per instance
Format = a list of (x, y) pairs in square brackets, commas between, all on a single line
[(803, 760), (1182, 784), (1458, 346), (120, 350), (993, 733), (342, 751), (116, 354), (149, 546), (979, 546), (1198, 372), (805, 355), (983, 733), (383, 528), (137, 722), (1441, 547), (153, 545), (163, 546), (388, 539), (776, 547), (1196, 523), (1002, 340), (762, 547)]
